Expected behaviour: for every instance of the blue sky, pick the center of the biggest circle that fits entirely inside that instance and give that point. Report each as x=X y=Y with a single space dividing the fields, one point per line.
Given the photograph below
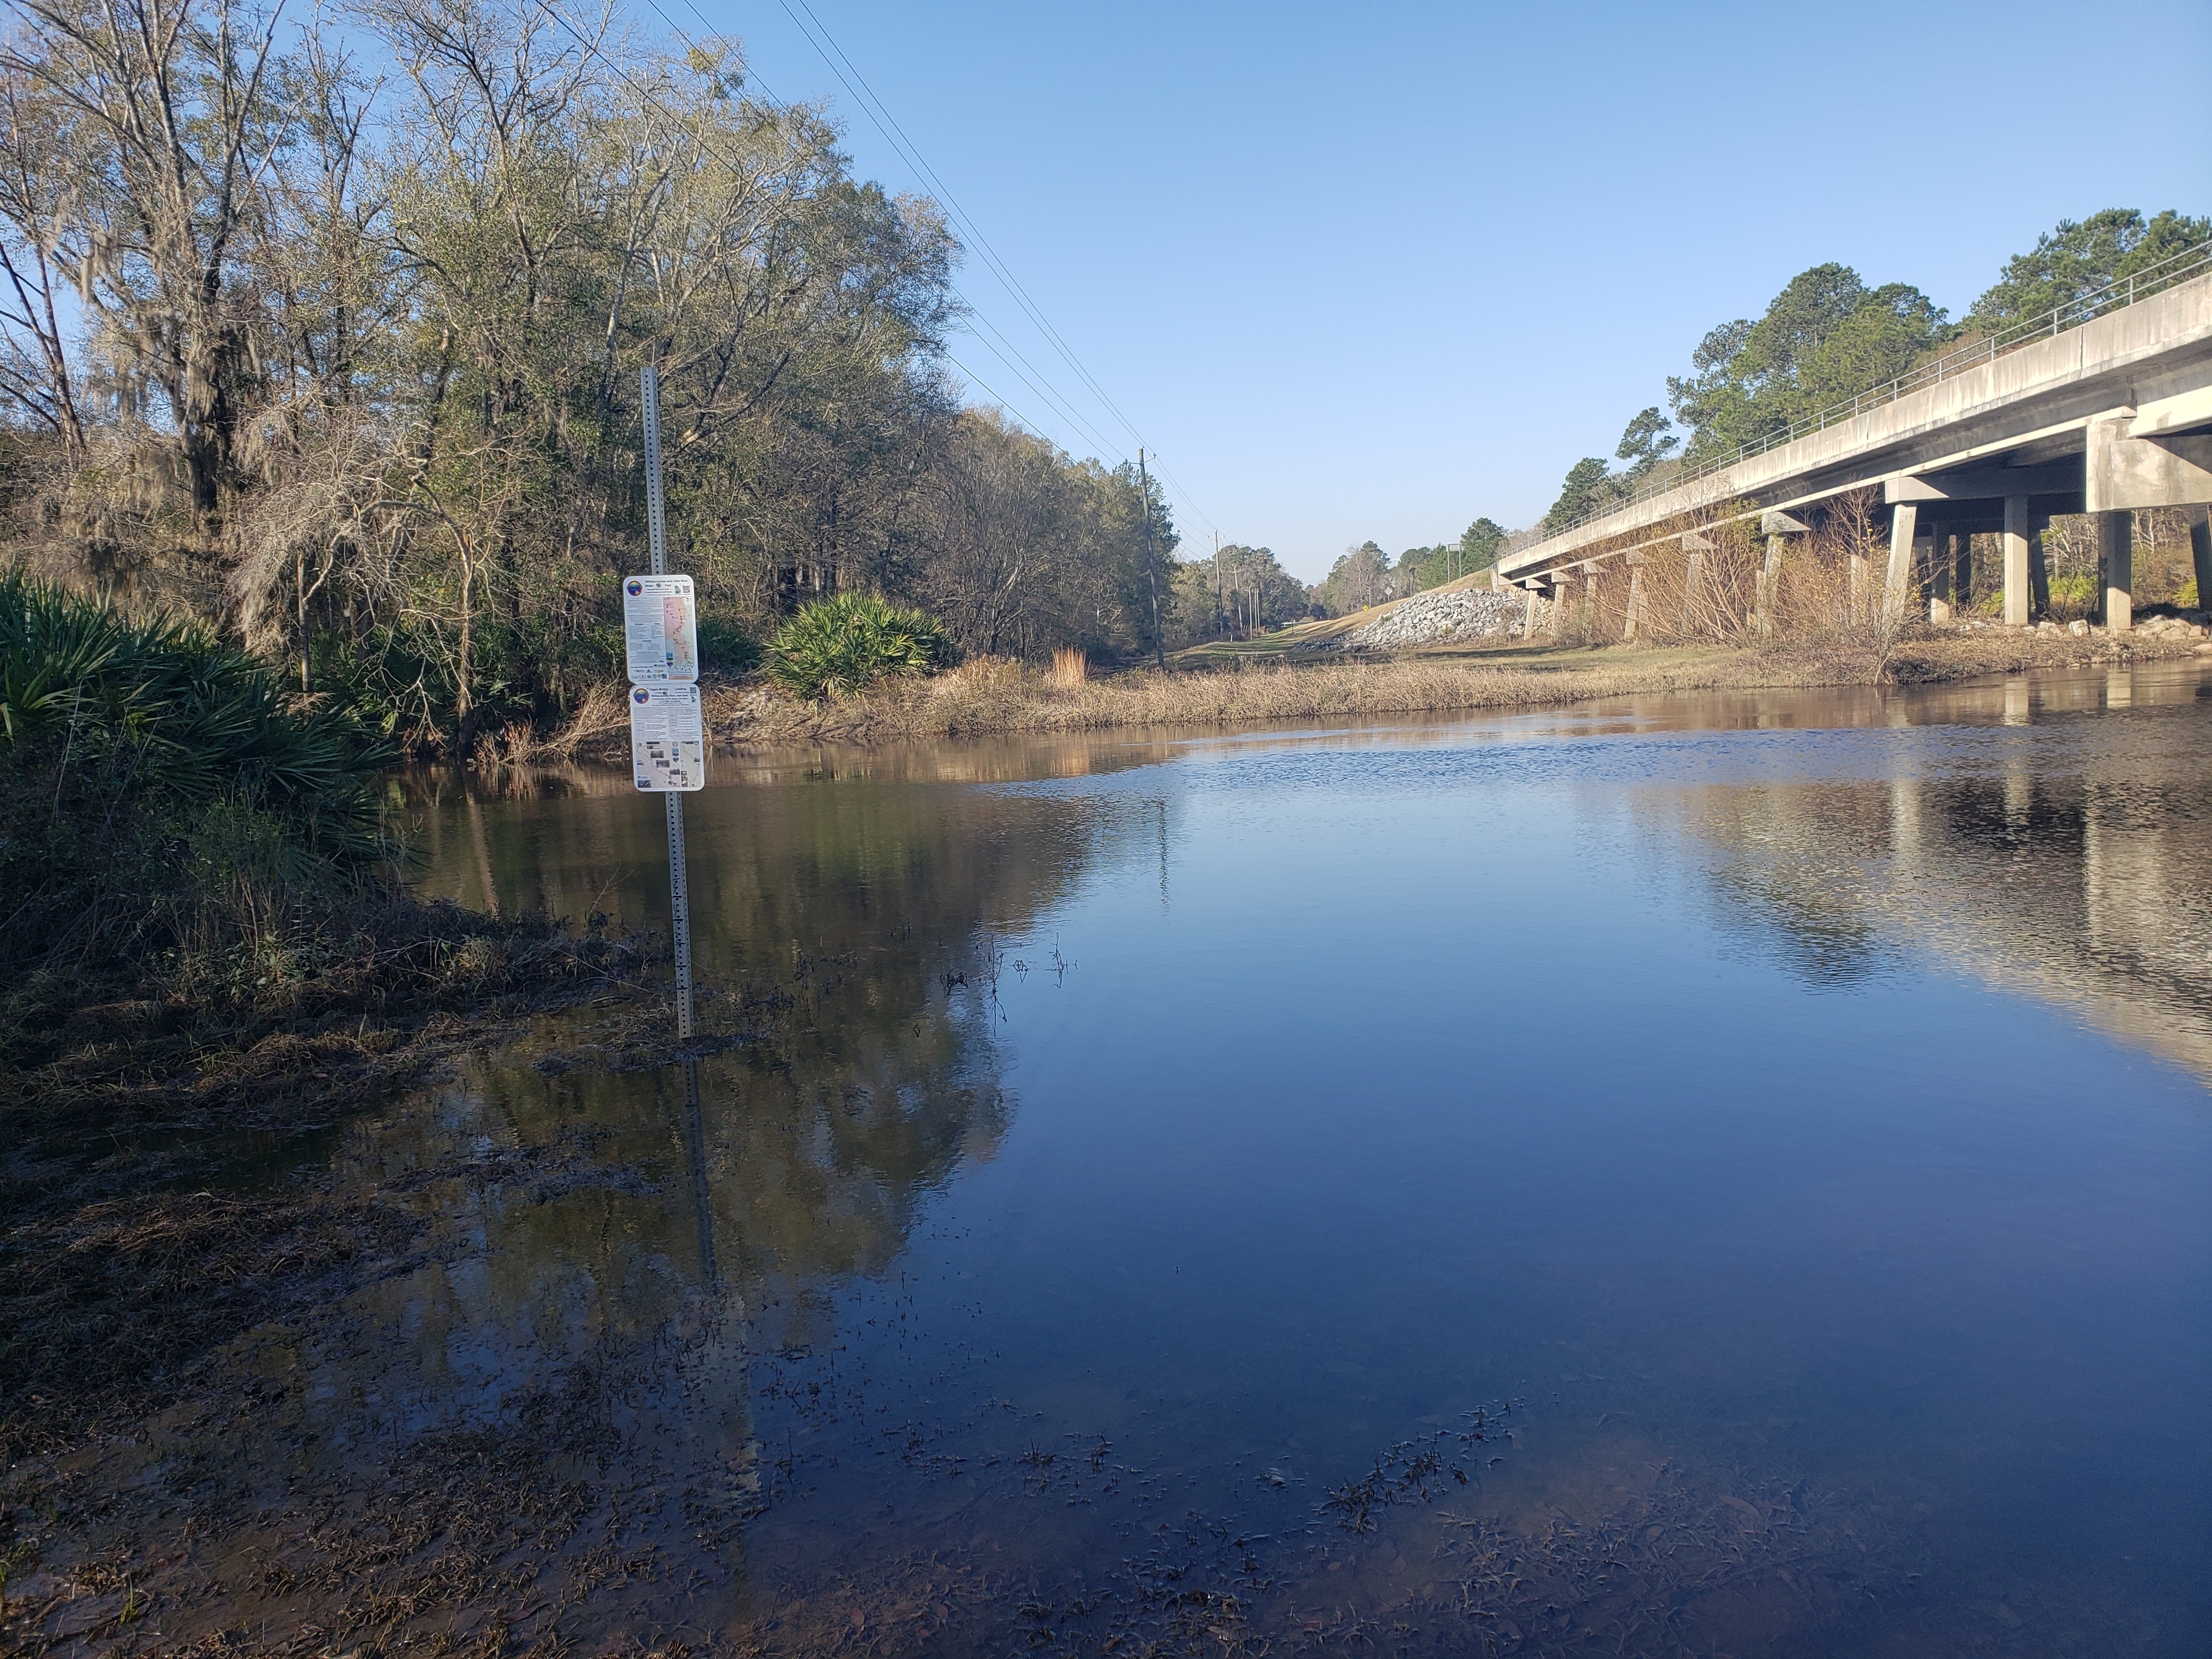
x=1373 y=272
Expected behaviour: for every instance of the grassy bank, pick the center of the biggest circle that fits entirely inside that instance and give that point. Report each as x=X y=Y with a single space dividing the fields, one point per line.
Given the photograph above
x=1229 y=687
x=199 y=898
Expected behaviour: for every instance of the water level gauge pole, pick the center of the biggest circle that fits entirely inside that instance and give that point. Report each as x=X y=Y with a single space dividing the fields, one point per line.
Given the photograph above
x=679 y=882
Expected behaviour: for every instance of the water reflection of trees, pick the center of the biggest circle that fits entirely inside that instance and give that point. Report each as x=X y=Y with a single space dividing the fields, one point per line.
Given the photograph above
x=863 y=919
x=2046 y=854
x=616 y=1254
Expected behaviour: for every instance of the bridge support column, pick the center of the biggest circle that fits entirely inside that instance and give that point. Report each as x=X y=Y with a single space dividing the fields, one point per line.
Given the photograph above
x=1897 y=583
x=1770 y=586
x=1634 y=623
x=1555 y=604
x=1529 y=602
x=1939 y=577
x=2200 y=554
x=1589 y=604
x=1693 y=591
x=1962 y=572
x=2116 y=568
x=2016 y=595
x=2039 y=568
x=1774 y=524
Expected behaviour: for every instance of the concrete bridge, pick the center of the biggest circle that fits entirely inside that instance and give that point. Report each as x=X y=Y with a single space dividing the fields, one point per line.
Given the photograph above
x=2110 y=414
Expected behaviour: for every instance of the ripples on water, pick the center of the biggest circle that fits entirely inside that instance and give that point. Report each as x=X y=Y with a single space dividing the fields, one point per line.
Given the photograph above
x=1715 y=1174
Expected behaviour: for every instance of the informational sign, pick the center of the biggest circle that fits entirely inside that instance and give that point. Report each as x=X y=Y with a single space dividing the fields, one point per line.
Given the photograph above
x=667 y=739
x=660 y=630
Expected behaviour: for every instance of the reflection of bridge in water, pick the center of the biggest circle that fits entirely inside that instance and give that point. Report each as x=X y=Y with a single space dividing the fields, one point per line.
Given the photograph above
x=2040 y=851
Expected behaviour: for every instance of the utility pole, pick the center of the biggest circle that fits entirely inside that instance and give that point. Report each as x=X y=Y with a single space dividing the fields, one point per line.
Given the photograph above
x=1152 y=567
x=1221 y=589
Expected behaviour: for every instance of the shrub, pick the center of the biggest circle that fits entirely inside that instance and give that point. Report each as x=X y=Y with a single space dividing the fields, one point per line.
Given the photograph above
x=849 y=643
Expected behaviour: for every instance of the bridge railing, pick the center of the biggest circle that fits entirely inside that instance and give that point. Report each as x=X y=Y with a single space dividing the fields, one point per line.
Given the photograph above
x=2082 y=308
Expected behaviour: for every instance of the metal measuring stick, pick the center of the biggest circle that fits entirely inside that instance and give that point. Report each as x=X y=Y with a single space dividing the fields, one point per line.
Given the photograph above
x=679 y=880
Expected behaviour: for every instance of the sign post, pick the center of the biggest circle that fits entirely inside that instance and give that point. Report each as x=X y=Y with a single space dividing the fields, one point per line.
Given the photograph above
x=667 y=731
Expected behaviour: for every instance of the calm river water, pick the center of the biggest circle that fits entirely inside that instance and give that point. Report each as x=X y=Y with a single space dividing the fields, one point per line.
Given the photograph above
x=1712 y=1174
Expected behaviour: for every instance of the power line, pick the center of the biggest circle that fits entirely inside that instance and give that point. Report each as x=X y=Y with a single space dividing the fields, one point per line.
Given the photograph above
x=871 y=106
x=1034 y=378
x=594 y=49
x=1006 y=403
x=1039 y=384
x=878 y=112
x=1042 y=388
x=887 y=124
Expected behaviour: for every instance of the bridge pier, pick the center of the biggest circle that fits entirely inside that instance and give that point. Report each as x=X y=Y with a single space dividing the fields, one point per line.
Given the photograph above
x=1635 y=621
x=1962 y=570
x=2116 y=568
x=2015 y=540
x=1693 y=579
x=1770 y=585
x=2200 y=554
x=1896 y=582
x=1938 y=566
x=1774 y=524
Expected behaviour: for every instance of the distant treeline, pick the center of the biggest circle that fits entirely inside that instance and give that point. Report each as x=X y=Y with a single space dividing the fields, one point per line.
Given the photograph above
x=1242 y=590
x=1828 y=338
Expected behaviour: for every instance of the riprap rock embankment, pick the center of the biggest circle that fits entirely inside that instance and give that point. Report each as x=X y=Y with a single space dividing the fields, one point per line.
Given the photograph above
x=1443 y=617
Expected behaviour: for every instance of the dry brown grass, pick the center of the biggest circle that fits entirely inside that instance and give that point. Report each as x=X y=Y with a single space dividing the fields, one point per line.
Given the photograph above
x=1697 y=632
x=995 y=696
x=602 y=719
x=980 y=698
x=1716 y=594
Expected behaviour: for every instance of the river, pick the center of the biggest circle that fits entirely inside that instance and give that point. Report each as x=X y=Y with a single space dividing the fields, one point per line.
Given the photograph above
x=1723 y=1174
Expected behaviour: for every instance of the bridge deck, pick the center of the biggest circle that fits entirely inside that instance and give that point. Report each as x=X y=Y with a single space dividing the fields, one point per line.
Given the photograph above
x=2142 y=373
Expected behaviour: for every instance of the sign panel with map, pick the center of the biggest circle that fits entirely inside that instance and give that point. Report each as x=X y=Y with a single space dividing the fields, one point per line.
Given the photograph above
x=660 y=630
